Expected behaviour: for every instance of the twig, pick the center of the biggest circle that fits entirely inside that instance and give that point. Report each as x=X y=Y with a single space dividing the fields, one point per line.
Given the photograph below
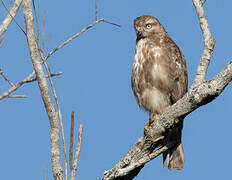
x=16 y=86
x=3 y=75
x=35 y=79
x=71 y=141
x=95 y=7
x=77 y=153
x=78 y=34
x=10 y=16
x=73 y=37
x=47 y=172
x=28 y=79
x=43 y=27
x=17 y=96
x=114 y=24
x=2 y=37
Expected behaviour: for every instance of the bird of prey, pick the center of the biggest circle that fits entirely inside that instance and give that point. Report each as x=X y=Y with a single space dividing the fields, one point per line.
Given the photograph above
x=159 y=79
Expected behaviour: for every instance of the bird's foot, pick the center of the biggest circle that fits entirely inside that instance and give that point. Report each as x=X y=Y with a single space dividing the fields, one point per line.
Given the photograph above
x=153 y=118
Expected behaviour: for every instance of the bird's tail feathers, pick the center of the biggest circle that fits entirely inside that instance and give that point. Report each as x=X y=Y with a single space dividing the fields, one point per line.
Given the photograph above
x=174 y=158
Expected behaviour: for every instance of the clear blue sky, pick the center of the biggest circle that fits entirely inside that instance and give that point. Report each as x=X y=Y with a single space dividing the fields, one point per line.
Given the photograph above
x=96 y=84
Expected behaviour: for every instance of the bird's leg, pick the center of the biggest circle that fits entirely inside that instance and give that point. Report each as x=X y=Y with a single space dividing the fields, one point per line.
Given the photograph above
x=153 y=118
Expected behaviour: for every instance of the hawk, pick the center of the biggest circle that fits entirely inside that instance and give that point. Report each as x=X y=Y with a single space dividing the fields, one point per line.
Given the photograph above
x=159 y=79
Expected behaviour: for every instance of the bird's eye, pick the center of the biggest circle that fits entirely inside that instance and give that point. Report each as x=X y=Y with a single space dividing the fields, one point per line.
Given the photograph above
x=148 y=26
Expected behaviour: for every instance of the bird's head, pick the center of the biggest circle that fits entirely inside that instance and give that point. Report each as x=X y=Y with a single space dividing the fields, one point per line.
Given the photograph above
x=147 y=25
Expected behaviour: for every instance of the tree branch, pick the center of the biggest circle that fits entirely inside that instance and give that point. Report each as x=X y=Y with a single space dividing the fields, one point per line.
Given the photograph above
x=6 y=79
x=52 y=75
x=17 y=96
x=28 y=79
x=209 y=43
x=73 y=37
x=77 y=153
x=16 y=86
x=95 y=8
x=50 y=109
x=201 y=92
x=78 y=34
x=71 y=141
x=56 y=100
x=10 y=16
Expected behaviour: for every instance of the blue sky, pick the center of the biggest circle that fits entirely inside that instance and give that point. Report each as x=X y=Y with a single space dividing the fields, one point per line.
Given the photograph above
x=96 y=84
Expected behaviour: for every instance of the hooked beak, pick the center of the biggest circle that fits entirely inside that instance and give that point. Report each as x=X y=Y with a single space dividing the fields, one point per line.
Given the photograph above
x=138 y=33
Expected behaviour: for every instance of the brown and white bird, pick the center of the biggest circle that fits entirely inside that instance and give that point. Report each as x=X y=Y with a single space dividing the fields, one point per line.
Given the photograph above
x=159 y=78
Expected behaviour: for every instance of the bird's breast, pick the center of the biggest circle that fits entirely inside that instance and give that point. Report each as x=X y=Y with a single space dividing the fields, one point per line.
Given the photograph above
x=145 y=71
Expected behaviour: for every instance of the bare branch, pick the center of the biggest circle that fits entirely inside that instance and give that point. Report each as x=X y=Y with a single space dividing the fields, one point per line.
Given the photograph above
x=3 y=75
x=209 y=43
x=58 y=107
x=114 y=24
x=78 y=34
x=43 y=26
x=10 y=16
x=95 y=7
x=2 y=36
x=140 y=163
x=36 y=20
x=15 y=87
x=71 y=141
x=52 y=75
x=73 y=37
x=201 y=92
x=50 y=109
x=28 y=79
x=130 y=165
x=17 y=96
x=77 y=153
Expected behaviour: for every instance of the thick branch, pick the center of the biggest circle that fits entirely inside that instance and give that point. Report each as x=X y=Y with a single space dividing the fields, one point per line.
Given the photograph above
x=129 y=166
x=41 y=79
x=209 y=43
x=201 y=92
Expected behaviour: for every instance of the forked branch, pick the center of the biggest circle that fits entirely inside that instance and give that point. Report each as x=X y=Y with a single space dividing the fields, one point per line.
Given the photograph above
x=50 y=109
x=200 y=93
x=73 y=163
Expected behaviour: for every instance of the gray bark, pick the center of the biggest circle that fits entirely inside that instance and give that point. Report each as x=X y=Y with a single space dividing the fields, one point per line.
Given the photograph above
x=200 y=93
x=9 y=17
x=44 y=90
